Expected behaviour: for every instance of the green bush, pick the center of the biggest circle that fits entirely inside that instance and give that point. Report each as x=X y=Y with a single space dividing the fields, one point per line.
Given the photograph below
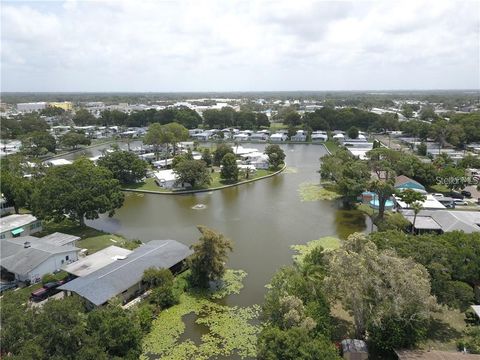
x=48 y=278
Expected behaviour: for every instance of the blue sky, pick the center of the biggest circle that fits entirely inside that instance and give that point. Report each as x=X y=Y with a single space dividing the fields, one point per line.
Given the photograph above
x=239 y=45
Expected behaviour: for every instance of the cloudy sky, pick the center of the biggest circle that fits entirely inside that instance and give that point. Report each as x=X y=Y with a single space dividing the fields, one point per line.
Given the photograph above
x=239 y=45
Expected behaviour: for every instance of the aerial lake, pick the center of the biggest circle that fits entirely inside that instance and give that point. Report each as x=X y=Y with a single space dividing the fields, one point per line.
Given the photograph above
x=263 y=218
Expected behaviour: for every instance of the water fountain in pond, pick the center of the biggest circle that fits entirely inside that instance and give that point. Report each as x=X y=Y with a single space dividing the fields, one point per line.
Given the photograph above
x=199 y=207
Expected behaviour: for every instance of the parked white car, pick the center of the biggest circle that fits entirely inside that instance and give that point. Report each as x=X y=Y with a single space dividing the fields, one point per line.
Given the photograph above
x=460 y=202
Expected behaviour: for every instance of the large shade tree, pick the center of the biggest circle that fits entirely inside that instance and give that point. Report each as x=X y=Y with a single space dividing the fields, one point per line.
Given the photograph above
x=156 y=137
x=381 y=291
x=193 y=172
x=16 y=188
x=229 y=169
x=125 y=166
x=79 y=191
x=276 y=155
x=210 y=254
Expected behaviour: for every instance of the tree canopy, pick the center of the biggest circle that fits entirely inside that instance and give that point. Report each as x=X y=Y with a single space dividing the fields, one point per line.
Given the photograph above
x=193 y=172
x=276 y=155
x=381 y=291
x=80 y=191
x=220 y=151
x=125 y=166
x=72 y=139
x=229 y=171
x=210 y=254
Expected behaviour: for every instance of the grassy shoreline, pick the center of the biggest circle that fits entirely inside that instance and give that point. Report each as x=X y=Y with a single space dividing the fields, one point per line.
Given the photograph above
x=149 y=185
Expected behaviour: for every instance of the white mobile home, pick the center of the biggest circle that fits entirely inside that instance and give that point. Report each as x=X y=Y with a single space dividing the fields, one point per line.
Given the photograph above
x=19 y=225
x=278 y=137
x=29 y=258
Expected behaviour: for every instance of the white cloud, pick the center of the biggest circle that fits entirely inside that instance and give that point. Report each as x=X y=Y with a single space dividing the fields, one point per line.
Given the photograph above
x=238 y=45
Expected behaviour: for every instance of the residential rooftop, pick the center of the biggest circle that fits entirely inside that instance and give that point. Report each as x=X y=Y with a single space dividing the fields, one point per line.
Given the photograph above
x=15 y=221
x=446 y=220
x=60 y=239
x=96 y=261
x=23 y=254
x=103 y=284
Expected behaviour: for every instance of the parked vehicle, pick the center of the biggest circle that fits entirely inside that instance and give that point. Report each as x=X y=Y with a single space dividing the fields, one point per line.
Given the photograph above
x=6 y=286
x=467 y=194
x=46 y=291
x=456 y=195
x=438 y=195
x=460 y=202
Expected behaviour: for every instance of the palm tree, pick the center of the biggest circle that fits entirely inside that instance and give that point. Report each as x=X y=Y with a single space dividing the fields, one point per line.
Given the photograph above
x=416 y=207
x=414 y=200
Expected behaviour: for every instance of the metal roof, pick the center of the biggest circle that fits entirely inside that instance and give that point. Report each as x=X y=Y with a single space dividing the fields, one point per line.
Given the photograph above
x=102 y=285
x=449 y=220
x=59 y=239
x=18 y=259
x=11 y=222
x=98 y=260
x=424 y=222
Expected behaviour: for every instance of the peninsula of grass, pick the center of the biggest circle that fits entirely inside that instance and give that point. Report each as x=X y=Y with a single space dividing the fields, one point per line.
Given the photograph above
x=332 y=146
x=149 y=185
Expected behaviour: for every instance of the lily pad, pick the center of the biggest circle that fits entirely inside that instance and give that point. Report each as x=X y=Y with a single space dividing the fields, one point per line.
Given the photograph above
x=327 y=243
x=314 y=192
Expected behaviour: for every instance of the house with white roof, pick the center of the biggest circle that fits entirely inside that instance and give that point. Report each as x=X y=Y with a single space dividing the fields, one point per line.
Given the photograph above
x=430 y=202
x=278 y=137
x=58 y=162
x=165 y=178
x=17 y=225
x=241 y=136
x=319 y=136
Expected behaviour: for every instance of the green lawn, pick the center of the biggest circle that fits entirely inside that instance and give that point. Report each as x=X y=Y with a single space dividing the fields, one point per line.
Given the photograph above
x=150 y=185
x=367 y=209
x=25 y=292
x=277 y=126
x=332 y=146
x=446 y=329
x=91 y=239
x=439 y=189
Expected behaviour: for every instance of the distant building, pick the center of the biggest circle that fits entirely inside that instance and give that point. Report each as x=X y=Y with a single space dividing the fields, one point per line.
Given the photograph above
x=65 y=105
x=319 y=136
x=278 y=137
x=123 y=277
x=30 y=107
x=58 y=162
x=299 y=136
x=403 y=182
x=18 y=225
x=5 y=207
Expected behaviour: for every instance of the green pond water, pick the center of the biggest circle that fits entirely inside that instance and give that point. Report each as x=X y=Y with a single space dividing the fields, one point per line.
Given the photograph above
x=263 y=218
